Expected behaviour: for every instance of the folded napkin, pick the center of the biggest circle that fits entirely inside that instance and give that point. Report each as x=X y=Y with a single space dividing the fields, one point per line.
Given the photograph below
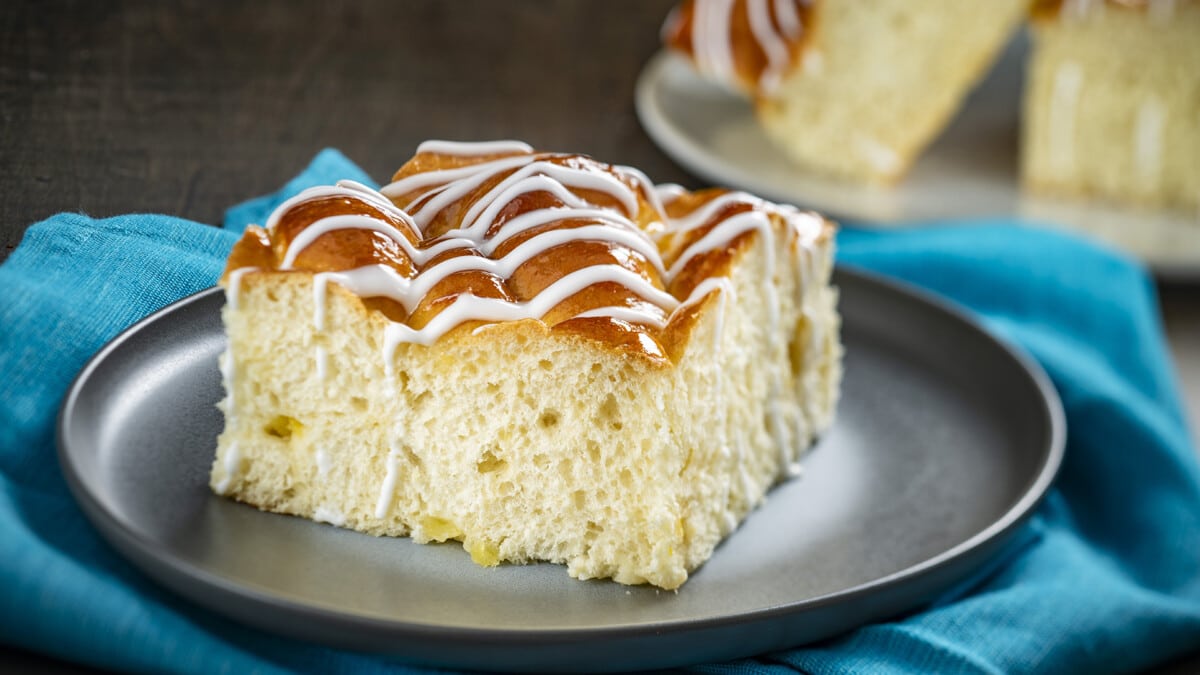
x=1108 y=578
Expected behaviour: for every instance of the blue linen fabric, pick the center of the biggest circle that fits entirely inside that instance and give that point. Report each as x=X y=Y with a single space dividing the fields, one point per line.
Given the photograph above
x=1106 y=577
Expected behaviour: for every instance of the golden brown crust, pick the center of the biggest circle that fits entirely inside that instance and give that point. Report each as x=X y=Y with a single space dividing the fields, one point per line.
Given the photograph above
x=749 y=55
x=339 y=250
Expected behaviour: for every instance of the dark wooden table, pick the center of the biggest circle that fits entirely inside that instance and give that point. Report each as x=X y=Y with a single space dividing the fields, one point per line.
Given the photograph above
x=188 y=107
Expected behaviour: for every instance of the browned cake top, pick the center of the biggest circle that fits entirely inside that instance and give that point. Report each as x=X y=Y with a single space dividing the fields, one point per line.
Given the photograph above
x=746 y=44
x=491 y=232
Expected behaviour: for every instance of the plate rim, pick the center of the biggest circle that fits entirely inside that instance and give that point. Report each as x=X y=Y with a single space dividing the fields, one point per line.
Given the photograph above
x=242 y=603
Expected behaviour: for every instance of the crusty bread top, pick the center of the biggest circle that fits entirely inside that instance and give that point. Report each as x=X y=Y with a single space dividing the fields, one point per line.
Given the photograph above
x=748 y=45
x=487 y=232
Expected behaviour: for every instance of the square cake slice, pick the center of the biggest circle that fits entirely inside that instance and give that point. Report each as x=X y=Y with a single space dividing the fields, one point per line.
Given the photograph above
x=540 y=355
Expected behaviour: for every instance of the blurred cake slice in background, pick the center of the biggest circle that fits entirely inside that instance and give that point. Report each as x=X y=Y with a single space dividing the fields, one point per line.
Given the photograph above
x=853 y=89
x=747 y=46
x=1112 y=102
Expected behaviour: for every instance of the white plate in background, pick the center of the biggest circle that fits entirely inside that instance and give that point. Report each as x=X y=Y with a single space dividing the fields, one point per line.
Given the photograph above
x=969 y=172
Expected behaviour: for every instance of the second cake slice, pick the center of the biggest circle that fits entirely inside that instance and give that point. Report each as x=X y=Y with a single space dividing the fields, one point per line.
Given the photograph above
x=853 y=89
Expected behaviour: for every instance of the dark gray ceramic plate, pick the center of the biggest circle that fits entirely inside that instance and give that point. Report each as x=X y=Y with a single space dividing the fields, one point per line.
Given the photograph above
x=945 y=441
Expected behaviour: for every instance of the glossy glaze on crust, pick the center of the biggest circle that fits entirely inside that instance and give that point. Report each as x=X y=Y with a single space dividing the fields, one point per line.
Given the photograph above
x=472 y=234
x=745 y=44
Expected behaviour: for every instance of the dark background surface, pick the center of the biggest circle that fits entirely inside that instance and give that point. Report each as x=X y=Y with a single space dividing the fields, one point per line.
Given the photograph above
x=186 y=108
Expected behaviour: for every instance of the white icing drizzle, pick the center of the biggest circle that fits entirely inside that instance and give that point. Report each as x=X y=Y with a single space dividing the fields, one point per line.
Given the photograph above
x=449 y=178
x=631 y=237
x=882 y=158
x=649 y=317
x=710 y=39
x=343 y=188
x=231 y=463
x=748 y=484
x=722 y=235
x=474 y=148
x=669 y=192
x=772 y=44
x=806 y=417
x=645 y=317
x=775 y=341
x=550 y=177
x=319 y=290
x=226 y=365
x=709 y=285
x=469 y=307
x=233 y=290
x=709 y=210
x=1064 y=99
x=773 y=25
x=324 y=463
x=1078 y=10
x=528 y=173
x=789 y=19
x=388 y=490
x=384 y=281
x=1148 y=138
x=349 y=222
x=722 y=413
x=233 y=286
x=813 y=62
x=669 y=24
x=328 y=514
x=646 y=187
x=321 y=356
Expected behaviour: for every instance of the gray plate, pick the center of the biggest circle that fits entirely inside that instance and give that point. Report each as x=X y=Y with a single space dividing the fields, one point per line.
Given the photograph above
x=944 y=443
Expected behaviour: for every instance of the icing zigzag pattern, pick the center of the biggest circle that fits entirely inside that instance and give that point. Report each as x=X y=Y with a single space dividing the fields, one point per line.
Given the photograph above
x=492 y=232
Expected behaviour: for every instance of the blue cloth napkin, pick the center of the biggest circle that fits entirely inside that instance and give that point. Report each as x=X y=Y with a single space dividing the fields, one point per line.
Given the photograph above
x=1108 y=579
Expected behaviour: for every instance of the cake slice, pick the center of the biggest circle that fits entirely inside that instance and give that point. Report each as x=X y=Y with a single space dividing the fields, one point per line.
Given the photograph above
x=1112 y=102
x=540 y=355
x=853 y=89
